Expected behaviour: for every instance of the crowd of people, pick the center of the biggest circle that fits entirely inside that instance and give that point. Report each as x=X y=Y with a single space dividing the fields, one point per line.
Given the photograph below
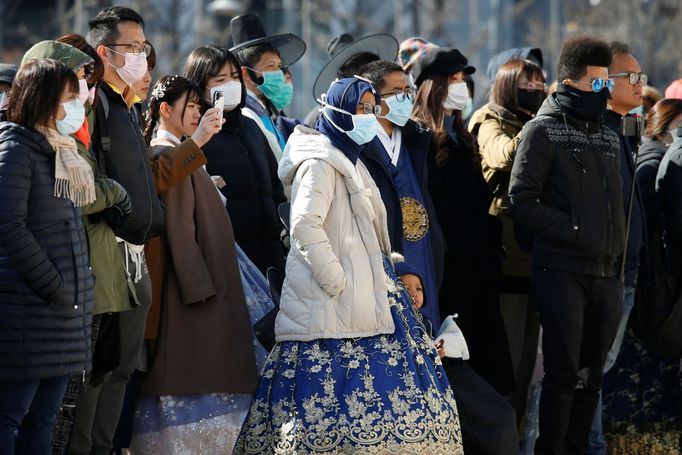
x=186 y=269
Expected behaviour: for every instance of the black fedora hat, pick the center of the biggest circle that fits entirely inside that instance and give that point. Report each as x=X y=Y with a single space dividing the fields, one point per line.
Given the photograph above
x=343 y=47
x=247 y=31
x=443 y=61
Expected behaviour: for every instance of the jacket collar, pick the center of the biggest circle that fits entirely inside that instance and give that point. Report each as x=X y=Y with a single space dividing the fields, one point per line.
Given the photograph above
x=31 y=137
x=552 y=108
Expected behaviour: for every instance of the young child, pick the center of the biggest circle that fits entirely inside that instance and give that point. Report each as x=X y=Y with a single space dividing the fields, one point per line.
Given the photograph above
x=487 y=420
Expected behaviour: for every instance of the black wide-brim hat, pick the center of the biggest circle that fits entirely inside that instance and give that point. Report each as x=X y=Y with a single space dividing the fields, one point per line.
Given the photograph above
x=383 y=45
x=247 y=31
x=443 y=61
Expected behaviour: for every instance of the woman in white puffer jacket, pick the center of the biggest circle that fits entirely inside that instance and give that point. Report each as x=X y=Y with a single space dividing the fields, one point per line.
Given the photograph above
x=354 y=369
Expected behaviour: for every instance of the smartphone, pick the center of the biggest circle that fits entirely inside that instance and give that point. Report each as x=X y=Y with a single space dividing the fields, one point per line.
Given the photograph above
x=219 y=100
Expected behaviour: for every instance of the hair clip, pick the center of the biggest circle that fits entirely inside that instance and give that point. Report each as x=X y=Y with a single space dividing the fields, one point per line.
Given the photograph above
x=160 y=90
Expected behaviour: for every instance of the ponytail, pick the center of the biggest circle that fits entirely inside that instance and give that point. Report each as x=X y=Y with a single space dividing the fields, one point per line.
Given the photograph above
x=151 y=119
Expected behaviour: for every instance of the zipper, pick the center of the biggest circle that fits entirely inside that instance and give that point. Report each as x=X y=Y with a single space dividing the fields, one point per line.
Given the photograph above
x=149 y=190
x=609 y=212
x=577 y=160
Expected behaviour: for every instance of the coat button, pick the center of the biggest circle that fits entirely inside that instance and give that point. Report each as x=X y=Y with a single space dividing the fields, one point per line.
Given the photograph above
x=575 y=227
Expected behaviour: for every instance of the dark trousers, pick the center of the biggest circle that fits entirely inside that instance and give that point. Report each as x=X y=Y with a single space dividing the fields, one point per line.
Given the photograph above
x=579 y=316
x=27 y=411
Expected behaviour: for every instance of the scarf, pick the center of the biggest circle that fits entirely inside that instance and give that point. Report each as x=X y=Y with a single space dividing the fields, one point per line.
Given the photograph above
x=582 y=105
x=73 y=175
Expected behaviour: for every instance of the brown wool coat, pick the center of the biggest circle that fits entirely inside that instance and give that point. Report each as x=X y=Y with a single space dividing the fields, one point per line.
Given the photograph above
x=204 y=337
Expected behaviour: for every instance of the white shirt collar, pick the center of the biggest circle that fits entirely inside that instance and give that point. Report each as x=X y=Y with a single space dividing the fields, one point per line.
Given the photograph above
x=391 y=144
x=163 y=134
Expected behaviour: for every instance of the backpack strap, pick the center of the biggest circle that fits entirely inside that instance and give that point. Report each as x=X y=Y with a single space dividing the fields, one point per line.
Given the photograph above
x=103 y=137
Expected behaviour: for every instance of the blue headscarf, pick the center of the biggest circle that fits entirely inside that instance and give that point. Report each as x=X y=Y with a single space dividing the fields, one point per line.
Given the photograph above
x=344 y=94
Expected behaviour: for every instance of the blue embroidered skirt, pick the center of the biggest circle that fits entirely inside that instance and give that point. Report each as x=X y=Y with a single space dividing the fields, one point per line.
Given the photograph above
x=376 y=395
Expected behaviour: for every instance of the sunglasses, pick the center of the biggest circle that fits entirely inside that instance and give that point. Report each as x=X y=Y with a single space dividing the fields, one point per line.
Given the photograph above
x=598 y=84
x=634 y=77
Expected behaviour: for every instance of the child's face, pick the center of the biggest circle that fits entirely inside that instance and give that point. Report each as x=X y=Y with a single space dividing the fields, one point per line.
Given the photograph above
x=413 y=284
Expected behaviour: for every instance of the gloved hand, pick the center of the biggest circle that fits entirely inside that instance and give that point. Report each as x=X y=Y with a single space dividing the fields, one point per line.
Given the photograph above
x=123 y=200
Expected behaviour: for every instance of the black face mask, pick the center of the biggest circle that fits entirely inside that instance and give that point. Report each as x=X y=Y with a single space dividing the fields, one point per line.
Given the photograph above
x=530 y=100
x=583 y=105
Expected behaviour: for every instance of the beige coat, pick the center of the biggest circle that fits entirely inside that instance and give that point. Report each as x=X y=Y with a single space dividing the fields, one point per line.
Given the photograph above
x=497 y=132
x=205 y=342
x=335 y=283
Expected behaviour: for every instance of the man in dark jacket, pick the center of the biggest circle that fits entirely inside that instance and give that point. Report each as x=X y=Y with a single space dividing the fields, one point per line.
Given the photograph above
x=566 y=187
x=624 y=70
x=117 y=34
x=396 y=159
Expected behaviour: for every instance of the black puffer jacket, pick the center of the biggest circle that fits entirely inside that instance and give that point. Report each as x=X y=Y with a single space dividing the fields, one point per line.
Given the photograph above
x=46 y=287
x=566 y=188
x=240 y=154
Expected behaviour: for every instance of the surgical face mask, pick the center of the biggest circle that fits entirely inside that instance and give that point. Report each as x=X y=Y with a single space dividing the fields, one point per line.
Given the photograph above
x=83 y=91
x=133 y=69
x=232 y=93
x=4 y=100
x=398 y=111
x=365 y=126
x=276 y=89
x=74 y=118
x=468 y=109
x=458 y=94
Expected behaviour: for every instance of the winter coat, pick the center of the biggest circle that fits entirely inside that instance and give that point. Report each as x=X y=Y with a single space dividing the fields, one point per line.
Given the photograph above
x=417 y=142
x=111 y=284
x=669 y=189
x=335 y=284
x=240 y=154
x=471 y=280
x=497 y=133
x=46 y=287
x=205 y=342
x=566 y=188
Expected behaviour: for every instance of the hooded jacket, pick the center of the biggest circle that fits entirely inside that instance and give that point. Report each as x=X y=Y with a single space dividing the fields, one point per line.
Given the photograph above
x=335 y=285
x=566 y=188
x=46 y=287
x=111 y=282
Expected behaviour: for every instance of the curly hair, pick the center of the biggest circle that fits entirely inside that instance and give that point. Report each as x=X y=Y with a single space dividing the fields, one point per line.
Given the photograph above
x=579 y=52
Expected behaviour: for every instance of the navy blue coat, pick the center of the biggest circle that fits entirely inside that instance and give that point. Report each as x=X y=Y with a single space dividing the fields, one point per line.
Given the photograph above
x=46 y=286
x=417 y=141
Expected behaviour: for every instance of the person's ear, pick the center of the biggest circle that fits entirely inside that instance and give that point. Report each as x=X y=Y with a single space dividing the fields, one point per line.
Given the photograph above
x=102 y=51
x=568 y=82
x=165 y=110
x=245 y=74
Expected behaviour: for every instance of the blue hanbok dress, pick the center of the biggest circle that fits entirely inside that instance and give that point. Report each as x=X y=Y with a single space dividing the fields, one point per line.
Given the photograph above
x=384 y=394
x=202 y=424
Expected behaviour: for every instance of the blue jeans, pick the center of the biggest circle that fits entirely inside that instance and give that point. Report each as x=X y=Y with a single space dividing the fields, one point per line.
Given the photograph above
x=597 y=443
x=27 y=411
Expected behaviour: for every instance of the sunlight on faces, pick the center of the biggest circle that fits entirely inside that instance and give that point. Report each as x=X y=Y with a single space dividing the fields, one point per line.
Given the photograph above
x=625 y=96
x=368 y=98
x=226 y=74
x=174 y=121
x=394 y=82
x=130 y=33
x=142 y=86
x=67 y=95
x=456 y=77
x=413 y=284
x=591 y=73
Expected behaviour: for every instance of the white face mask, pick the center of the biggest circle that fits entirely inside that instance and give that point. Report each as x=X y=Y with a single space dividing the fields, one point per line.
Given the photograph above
x=458 y=95
x=232 y=93
x=83 y=91
x=133 y=69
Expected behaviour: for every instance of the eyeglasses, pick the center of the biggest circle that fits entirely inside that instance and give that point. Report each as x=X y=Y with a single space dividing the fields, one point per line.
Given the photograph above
x=369 y=108
x=533 y=86
x=634 y=77
x=401 y=95
x=136 y=48
x=598 y=84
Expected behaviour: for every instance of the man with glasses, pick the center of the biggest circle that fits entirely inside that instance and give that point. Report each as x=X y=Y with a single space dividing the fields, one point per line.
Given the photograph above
x=566 y=189
x=627 y=94
x=265 y=59
x=117 y=34
x=396 y=159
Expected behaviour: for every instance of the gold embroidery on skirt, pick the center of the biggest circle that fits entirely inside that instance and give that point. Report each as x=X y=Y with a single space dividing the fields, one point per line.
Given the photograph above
x=415 y=219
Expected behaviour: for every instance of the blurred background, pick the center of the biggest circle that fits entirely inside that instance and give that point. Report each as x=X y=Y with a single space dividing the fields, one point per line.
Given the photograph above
x=478 y=28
